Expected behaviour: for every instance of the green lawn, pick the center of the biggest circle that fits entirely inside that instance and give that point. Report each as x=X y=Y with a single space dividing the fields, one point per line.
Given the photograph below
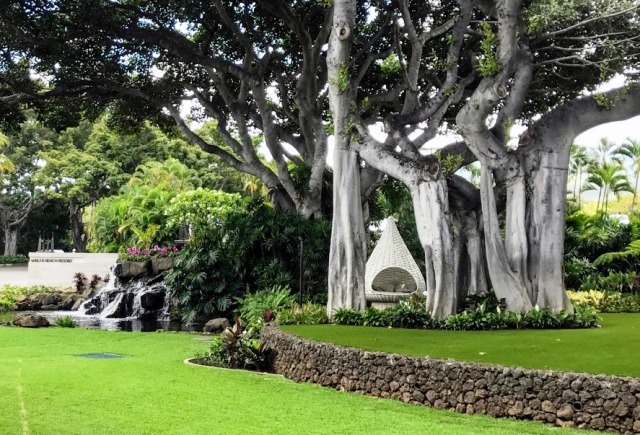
x=46 y=389
x=616 y=205
x=613 y=349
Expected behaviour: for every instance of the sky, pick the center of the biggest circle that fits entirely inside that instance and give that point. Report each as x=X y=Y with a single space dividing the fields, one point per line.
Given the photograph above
x=617 y=132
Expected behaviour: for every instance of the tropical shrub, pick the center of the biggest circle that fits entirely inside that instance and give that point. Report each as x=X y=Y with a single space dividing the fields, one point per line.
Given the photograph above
x=626 y=259
x=601 y=253
x=374 y=317
x=577 y=270
x=613 y=282
x=201 y=209
x=205 y=280
x=9 y=293
x=590 y=298
x=253 y=306
x=347 y=316
x=619 y=303
x=13 y=259
x=305 y=314
x=606 y=302
x=488 y=302
x=79 y=282
x=409 y=315
x=478 y=319
x=237 y=348
x=591 y=236
x=95 y=281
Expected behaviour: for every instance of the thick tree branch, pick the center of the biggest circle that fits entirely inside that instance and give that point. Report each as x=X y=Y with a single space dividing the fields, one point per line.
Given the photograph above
x=584 y=113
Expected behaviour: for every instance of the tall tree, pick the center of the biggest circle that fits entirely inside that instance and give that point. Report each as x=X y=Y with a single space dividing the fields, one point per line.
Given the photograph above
x=348 y=248
x=92 y=161
x=229 y=58
x=608 y=178
x=417 y=68
x=20 y=196
x=579 y=163
x=484 y=95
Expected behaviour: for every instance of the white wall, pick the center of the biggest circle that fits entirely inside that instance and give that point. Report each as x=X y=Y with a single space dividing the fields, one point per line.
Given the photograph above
x=57 y=269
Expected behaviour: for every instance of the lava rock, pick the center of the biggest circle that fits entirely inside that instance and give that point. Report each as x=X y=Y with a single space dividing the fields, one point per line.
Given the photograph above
x=216 y=326
x=88 y=293
x=52 y=307
x=27 y=320
x=132 y=269
x=51 y=299
x=77 y=304
x=160 y=264
x=68 y=301
x=152 y=300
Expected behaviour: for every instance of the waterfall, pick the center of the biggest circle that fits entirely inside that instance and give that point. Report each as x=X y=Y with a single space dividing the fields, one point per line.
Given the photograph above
x=112 y=309
x=135 y=298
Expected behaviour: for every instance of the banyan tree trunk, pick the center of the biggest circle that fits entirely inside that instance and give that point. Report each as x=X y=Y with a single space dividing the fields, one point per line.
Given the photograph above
x=546 y=227
x=507 y=284
x=434 y=224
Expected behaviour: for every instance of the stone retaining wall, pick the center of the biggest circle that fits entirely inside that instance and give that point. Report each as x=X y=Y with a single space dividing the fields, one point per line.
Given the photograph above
x=563 y=399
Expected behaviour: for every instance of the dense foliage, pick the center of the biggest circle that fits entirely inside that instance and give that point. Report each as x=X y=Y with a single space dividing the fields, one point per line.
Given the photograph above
x=602 y=253
x=252 y=247
x=66 y=322
x=200 y=209
x=406 y=315
x=606 y=302
x=279 y=305
x=13 y=259
x=136 y=216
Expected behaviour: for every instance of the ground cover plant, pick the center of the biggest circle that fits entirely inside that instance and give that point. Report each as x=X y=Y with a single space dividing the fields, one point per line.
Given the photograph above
x=150 y=390
x=613 y=349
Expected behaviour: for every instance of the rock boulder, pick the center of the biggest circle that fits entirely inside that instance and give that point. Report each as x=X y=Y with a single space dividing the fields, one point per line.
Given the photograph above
x=31 y=321
x=216 y=326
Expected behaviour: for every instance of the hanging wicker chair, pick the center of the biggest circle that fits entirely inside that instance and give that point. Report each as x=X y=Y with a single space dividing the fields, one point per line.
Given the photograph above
x=391 y=273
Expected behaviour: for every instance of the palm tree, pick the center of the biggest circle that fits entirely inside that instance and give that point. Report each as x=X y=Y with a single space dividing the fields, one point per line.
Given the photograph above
x=631 y=150
x=608 y=178
x=579 y=163
x=605 y=151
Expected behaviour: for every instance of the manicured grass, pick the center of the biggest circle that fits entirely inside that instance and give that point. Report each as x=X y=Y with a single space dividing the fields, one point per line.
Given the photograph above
x=613 y=349
x=616 y=205
x=46 y=389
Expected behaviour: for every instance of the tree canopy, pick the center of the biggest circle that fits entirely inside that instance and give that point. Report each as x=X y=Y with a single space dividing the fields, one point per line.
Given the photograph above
x=474 y=67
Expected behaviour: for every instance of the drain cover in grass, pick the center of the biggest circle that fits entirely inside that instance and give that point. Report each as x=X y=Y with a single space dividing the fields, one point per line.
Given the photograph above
x=100 y=355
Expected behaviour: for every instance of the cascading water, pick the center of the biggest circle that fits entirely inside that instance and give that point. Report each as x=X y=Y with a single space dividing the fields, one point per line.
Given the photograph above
x=113 y=307
x=138 y=298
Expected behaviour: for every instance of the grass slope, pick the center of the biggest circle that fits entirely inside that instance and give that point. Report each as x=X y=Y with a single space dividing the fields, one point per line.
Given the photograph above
x=46 y=389
x=613 y=349
x=620 y=205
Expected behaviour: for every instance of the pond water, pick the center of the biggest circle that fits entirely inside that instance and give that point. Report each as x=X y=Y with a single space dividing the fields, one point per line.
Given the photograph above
x=127 y=324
